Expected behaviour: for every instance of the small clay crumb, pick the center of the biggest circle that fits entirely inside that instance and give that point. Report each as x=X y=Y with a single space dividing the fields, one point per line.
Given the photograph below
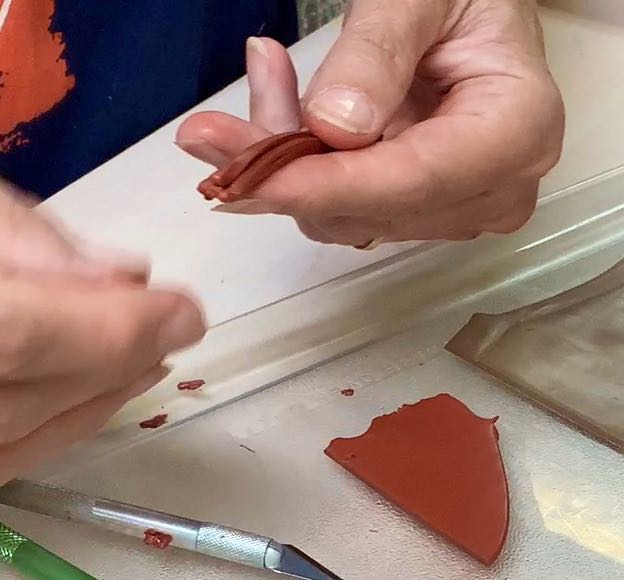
x=347 y=392
x=191 y=385
x=154 y=422
x=156 y=539
x=248 y=448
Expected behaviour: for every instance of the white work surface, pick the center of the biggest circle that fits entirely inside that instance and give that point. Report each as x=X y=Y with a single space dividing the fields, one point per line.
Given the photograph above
x=567 y=518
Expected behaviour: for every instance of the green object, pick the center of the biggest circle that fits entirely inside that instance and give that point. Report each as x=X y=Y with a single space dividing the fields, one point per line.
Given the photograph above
x=33 y=561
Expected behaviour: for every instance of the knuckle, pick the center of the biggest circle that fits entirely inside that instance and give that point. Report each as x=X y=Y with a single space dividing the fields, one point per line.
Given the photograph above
x=120 y=332
x=556 y=128
x=469 y=235
x=311 y=232
x=380 y=48
x=551 y=121
x=506 y=227
x=119 y=335
x=352 y=231
x=320 y=199
x=424 y=187
x=18 y=345
x=134 y=330
x=427 y=191
x=306 y=206
x=11 y=426
x=462 y=235
x=513 y=221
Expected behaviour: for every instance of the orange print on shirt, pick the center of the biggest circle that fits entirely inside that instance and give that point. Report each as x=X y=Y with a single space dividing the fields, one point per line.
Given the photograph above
x=33 y=72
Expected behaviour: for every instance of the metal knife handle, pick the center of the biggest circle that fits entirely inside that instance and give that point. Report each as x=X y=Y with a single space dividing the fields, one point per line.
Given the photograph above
x=233 y=545
x=205 y=537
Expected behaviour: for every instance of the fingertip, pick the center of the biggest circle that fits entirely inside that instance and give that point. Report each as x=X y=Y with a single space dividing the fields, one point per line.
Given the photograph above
x=255 y=45
x=274 y=96
x=269 y=48
x=150 y=380
x=216 y=137
x=203 y=151
x=182 y=322
x=201 y=127
x=343 y=117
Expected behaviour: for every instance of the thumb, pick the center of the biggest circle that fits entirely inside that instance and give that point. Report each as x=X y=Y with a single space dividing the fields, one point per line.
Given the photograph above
x=114 y=334
x=66 y=346
x=368 y=72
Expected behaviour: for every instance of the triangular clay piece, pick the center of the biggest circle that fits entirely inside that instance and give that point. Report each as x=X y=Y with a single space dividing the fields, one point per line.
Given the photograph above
x=440 y=463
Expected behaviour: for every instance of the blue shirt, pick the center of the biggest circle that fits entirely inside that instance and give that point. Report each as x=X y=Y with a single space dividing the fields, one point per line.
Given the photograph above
x=130 y=66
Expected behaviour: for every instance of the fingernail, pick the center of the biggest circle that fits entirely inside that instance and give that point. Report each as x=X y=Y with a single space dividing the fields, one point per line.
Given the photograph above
x=182 y=328
x=246 y=207
x=255 y=43
x=257 y=65
x=344 y=108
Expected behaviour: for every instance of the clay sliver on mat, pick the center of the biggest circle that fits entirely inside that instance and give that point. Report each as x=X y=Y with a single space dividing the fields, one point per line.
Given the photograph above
x=440 y=463
x=565 y=353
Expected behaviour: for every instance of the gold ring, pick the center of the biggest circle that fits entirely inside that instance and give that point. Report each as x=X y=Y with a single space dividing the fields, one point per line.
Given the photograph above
x=370 y=245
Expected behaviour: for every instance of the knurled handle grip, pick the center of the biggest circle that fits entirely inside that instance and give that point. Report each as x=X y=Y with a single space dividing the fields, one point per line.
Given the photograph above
x=233 y=545
x=10 y=542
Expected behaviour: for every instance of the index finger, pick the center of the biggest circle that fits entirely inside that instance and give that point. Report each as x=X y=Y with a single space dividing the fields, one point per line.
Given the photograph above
x=114 y=334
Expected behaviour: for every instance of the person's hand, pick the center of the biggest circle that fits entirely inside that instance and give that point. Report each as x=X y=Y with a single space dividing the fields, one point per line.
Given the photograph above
x=461 y=93
x=80 y=337
x=32 y=243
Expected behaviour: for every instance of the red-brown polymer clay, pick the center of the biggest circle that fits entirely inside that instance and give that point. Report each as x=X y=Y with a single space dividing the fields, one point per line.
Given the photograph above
x=191 y=385
x=156 y=539
x=438 y=462
x=258 y=162
x=154 y=422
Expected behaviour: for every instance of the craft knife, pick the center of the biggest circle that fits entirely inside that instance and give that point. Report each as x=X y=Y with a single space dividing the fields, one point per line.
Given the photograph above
x=207 y=538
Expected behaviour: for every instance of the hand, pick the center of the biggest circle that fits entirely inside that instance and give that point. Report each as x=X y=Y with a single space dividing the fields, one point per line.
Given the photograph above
x=31 y=243
x=461 y=93
x=79 y=338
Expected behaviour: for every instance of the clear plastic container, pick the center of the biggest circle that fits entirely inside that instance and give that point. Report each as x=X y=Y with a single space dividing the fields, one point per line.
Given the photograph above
x=576 y=233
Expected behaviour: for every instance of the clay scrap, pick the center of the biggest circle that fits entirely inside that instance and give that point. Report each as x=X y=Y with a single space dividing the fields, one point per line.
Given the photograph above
x=193 y=385
x=154 y=422
x=156 y=539
x=440 y=463
x=257 y=163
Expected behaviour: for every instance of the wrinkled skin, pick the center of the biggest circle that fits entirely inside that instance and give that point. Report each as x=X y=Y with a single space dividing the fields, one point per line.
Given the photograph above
x=81 y=335
x=461 y=92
